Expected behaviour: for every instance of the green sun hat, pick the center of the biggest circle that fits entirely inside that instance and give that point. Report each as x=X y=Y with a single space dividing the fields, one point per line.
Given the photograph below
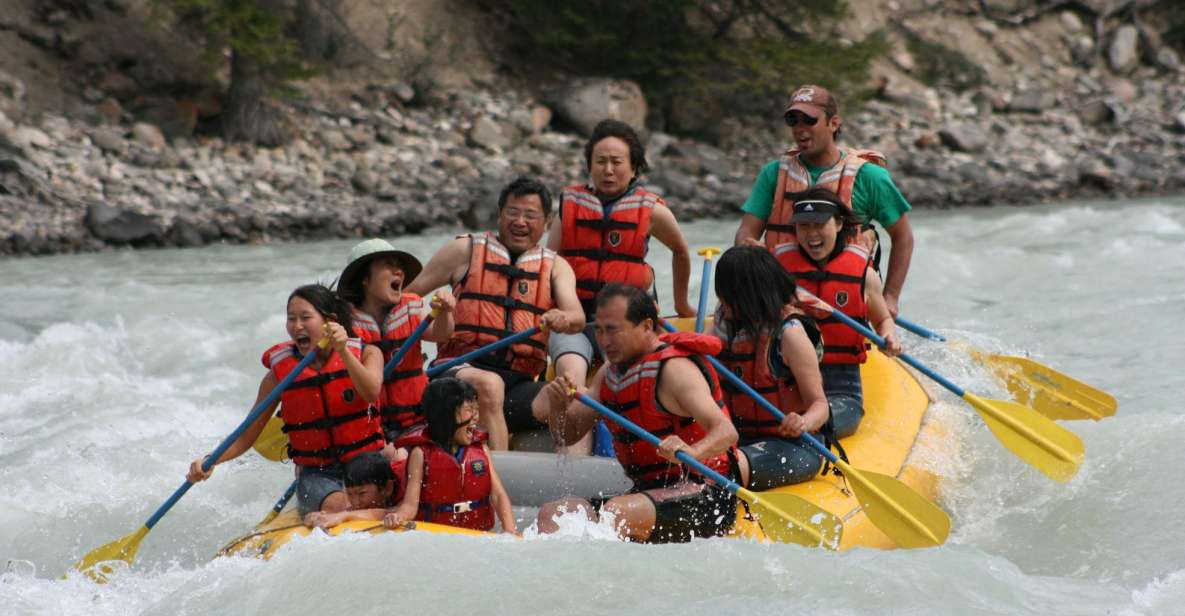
x=364 y=252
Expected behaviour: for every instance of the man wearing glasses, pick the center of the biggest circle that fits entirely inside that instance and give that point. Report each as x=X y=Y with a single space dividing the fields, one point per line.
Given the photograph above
x=504 y=284
x=816 y=160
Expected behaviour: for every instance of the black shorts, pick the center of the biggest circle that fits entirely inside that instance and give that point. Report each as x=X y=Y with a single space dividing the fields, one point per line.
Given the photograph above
x=519 y=391
x=775 y=462
x=709 y=512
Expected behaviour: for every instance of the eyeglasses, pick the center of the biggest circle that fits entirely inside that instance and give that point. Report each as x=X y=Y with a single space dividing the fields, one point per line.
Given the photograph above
x=792 y=119
x=529 y=216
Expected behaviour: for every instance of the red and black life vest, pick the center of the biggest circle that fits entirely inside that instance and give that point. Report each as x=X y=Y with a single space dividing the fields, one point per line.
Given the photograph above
x=326 y=419
x=839 y=283
x=404 y=387
x=793 y=177
x=753 y=363
x=456 y=488
x=634 y=394
x=607 y=248
x=497 y=298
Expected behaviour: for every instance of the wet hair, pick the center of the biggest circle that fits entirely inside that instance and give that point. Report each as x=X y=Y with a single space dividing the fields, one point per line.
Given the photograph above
x=329 y=304
x=616 y=128
x=756 y=288
x=442 y=398
x=639 y=304
x=851 y=222
x=370 y=468
x=523 y=186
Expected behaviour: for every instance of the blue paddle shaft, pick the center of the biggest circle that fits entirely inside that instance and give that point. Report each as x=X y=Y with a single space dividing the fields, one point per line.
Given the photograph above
x=641 y=433
x=489 y=348
x=880 y=342
x=406 y=346
x=288 y=494
x=229 y=440
x=919 y=330
x=704 y=283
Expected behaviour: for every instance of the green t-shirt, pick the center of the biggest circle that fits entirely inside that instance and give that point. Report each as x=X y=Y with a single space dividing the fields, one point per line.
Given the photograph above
x=874 y=195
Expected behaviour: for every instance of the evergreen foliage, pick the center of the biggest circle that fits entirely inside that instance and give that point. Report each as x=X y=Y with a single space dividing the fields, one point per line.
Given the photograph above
x=259 y=30
x=943 y=67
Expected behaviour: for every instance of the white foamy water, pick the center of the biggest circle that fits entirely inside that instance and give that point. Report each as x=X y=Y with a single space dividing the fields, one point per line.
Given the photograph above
x=121 y=368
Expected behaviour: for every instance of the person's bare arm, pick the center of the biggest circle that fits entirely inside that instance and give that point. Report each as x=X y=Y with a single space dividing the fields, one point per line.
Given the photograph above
x=799 y=354
x=665 y=229
x=899 y=256
x=750 y=231
x=555 y=232
x=684 y=392
x=442 y=269
x=443 y=303
x=568 y=316
x=406 y=510
x=878 y=313
x=367 y=373
x=499 y=498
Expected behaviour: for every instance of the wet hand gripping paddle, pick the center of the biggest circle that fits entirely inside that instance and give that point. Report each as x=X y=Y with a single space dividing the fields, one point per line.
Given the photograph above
x=94 y=564
x=785 y=518
x=1049 y=392
x=1034 y=438
x=704 y=282
x=905 y=516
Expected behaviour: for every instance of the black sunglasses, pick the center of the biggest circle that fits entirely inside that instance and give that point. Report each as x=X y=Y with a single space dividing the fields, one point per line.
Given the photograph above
x=792 y=119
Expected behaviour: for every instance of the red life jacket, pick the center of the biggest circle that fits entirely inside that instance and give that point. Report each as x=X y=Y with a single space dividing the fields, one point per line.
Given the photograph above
x=634 y=394
x=839 y=283
x=794 y=178
x=404 y=387
x=326 y=420
x=496 y=299
x=753 y=363
x=455 y=491
x=612 y=248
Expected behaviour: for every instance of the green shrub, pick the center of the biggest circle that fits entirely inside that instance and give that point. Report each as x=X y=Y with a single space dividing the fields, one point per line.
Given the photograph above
x=944 y=67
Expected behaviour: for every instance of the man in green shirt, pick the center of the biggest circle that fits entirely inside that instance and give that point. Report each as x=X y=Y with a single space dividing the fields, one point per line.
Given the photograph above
x=816 y=159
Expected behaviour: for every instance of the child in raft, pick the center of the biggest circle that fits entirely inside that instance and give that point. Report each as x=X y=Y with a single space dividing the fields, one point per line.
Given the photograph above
x=775 y=349
x=826 y=260
x=374 y=486
x=450 y=474
x=328 y=410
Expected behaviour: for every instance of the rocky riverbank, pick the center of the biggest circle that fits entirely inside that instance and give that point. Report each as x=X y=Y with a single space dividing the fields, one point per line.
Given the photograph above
x=374 y=164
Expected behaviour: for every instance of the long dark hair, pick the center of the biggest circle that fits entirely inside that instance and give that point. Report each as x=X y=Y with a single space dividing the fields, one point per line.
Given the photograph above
x=850 y=221
x=756 y=288
x=325 y=301
x=442 y=398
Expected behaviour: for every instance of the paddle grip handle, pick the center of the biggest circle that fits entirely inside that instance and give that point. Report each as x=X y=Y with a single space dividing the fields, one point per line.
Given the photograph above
x=880 y=342
x=208 y=463
x=489 y=348
x=641 y=433
x=914 y=328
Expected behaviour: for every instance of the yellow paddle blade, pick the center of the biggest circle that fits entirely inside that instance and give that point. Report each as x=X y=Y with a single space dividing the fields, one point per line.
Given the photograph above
x=787 y=518
x=272 y=442
x=901 y=513
x=687 y=324
x=1034 y=438
x=95 y=563
x=1049 y=392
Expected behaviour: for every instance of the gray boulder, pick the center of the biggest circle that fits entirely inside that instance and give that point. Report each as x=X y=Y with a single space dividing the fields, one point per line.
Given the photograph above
x=963 y=138
x=117 y=225
x=584 y=102
x=491 y=135
x=1124 y=53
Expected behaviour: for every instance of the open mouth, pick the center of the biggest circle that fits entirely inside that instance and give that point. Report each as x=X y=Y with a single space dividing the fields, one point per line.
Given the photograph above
x=814 y=245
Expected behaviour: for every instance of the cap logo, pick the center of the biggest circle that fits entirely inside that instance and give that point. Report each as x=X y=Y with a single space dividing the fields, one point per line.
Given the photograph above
x=808 y=208
x=804 y=95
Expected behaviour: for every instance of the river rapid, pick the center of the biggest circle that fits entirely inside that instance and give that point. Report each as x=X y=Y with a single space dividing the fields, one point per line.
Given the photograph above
x=120 y=368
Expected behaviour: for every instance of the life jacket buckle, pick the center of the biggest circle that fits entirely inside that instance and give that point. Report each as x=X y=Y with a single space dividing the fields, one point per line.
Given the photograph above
x=462 y=507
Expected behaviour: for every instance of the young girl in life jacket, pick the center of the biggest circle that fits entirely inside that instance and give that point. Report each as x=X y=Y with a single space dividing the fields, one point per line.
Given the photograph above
x=826 y=260
x=374 y=485
x=328 y=410
x=450 y=473
x=775 y=349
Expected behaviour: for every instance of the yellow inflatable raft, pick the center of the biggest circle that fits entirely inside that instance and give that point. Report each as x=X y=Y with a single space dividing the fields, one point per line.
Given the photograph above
x=894 y=405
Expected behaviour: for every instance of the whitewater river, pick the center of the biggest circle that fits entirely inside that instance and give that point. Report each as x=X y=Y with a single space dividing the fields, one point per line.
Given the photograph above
x=120 y=368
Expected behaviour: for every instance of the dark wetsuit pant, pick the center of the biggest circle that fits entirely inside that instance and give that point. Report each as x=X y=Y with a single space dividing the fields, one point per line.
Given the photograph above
x=775 y=461
x=841 y=384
